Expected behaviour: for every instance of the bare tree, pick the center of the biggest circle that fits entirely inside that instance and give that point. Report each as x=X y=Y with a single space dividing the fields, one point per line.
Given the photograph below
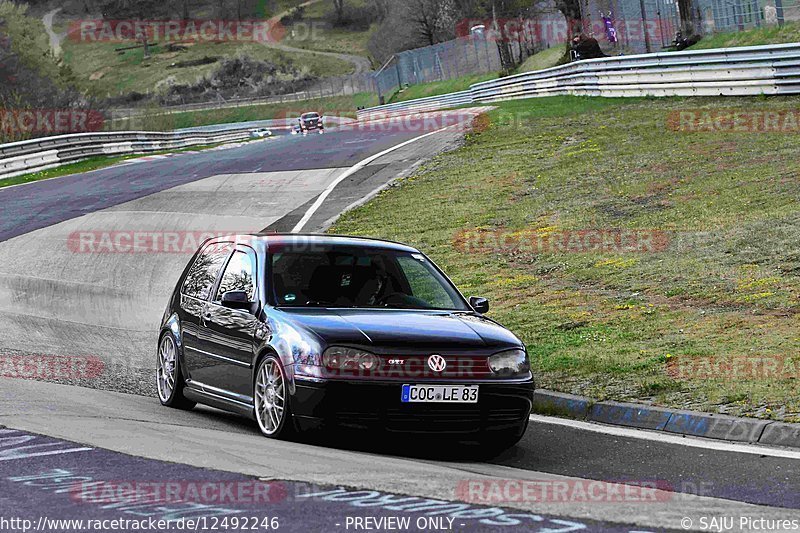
x=432 y=21
x=139 y=10
x=338 y=9
x=503 y=13
x=381 y=8
x=571 y=9
x=689 y=28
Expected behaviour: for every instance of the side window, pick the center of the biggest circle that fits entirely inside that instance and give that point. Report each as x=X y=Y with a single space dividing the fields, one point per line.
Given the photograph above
x=424 y=285
x=240 y=275
x=201 y=277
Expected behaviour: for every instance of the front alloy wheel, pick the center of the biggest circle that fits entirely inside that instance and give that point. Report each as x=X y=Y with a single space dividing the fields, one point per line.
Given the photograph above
x=271 y=405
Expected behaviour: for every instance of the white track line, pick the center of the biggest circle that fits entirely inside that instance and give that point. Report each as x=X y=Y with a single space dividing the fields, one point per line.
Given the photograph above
x=668 y=438
x=349 y=172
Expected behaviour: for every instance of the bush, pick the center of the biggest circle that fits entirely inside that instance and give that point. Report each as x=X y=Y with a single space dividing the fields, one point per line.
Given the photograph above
x=126 y=100
x=390 y=38
x=30 y=77
x=205 y=60
x=354 y=18
x=295 y=15
x=240 y=77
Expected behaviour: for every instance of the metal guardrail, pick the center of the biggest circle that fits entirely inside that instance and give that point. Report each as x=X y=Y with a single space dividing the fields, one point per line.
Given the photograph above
x=49 y=152
x=44 y=153
x=431 y=103
x=122 y=113
x=741 y=71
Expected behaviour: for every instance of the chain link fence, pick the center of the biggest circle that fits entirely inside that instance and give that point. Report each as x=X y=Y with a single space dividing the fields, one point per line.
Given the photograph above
x=738 y=15
x=644 y=26
x=631 y=26
x=461 y=57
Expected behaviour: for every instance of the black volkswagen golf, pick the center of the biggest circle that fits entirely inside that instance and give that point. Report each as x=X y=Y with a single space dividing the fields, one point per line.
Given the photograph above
x=302 y=331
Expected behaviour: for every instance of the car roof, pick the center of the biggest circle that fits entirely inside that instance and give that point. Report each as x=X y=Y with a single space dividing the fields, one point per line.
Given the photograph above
x=290 y=239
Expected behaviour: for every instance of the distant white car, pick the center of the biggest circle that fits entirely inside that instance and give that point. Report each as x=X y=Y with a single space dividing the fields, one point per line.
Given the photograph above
x=260 y=133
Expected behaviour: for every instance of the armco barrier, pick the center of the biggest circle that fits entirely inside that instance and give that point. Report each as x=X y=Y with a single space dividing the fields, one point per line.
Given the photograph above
x=49 y=152
x=741 y=71
x=431 y=103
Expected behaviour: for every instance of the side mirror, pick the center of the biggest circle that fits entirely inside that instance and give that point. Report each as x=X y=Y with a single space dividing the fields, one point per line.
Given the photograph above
x=480 y=305
x=236 y=300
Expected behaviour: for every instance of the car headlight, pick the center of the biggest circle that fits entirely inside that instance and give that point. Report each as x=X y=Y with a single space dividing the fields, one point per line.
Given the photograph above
x=341 y=358
x=510 y=363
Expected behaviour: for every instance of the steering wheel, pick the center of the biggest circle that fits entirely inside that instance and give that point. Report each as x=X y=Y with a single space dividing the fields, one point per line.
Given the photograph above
x=385 y=299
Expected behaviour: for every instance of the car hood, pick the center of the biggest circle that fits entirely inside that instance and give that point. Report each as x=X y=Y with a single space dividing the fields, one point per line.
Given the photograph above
x=387 y=330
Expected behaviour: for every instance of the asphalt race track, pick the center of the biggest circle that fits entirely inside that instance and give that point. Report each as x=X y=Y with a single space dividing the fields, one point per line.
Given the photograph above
x=76 y=284
x=62 y=297
x=82 y=483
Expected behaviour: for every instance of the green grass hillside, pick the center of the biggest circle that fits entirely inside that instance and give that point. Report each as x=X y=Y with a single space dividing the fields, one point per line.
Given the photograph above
x=99 y=67
x=547 y=58
x=342 y=106
x=788 y=33
x=706 y=318
x=315 y=32
x=437 y=88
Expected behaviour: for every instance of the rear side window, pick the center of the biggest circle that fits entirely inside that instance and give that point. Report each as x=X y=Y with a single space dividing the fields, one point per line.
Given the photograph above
x=200 y=280
x=240 y=275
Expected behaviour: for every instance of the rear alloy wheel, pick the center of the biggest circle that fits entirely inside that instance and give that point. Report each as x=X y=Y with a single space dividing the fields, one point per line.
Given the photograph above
x=271 y=405
x=169 y=378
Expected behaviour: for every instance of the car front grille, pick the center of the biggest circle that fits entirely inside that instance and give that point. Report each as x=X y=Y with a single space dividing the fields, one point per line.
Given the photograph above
x=436 y=418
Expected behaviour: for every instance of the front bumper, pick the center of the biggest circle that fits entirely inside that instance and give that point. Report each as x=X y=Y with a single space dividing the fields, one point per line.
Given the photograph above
x=500 y=407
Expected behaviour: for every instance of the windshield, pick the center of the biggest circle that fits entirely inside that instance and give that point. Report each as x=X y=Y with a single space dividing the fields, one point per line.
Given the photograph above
x=361 y=278
x=309 y=116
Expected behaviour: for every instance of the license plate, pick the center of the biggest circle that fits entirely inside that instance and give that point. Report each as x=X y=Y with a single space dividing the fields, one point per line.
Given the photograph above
x=439 y=394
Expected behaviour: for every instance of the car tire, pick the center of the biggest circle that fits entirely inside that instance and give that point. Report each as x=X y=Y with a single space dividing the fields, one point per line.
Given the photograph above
x=272 y=408
x=169 y=377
